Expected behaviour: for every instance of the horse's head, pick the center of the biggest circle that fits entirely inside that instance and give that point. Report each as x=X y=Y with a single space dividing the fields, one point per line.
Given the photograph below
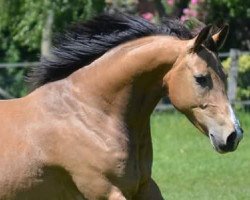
x=197 y=87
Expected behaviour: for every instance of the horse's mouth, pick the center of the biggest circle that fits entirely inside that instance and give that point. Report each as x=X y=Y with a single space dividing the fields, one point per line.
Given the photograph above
x=212 y=141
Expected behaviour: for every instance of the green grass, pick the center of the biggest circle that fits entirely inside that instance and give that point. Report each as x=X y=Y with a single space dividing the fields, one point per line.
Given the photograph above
x=187 y=168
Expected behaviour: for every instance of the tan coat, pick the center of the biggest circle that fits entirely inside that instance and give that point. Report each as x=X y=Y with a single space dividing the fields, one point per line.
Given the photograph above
x=88 y=136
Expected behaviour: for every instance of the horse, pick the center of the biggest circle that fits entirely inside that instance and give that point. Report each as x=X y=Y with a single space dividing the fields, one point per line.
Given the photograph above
x=83 y=132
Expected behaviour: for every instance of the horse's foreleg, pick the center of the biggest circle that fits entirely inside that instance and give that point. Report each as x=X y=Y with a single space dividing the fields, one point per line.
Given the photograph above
x=116 y=194
x=98 y=188
x=149 y=191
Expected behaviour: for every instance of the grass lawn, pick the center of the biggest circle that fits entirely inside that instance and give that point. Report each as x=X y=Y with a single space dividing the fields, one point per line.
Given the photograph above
x=186 y=166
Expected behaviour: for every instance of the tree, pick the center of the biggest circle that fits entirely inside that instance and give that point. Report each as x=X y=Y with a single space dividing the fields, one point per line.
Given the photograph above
x=26 y=28
x=26 y=19
x=237 y=14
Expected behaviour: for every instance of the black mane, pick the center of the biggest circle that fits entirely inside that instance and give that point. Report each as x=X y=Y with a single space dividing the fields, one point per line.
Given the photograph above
x=87 y=41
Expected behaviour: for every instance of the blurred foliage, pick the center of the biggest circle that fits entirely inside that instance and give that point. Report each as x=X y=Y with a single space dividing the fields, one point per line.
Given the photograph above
x=243 y=90
x=12 y=80
x=235 y=8
x=21 y=25
x=24 y=20
x=128 y=6
x=237 y=14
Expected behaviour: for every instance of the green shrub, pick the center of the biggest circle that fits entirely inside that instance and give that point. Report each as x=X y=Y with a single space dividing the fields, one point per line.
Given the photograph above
x=243 y=90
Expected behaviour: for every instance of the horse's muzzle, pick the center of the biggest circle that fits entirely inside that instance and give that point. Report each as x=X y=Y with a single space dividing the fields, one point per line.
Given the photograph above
x=231 y=143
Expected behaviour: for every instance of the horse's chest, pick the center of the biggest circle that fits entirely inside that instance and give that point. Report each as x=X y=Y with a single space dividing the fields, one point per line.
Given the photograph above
x=125 y=173
x=109 y=157
x=130 y=170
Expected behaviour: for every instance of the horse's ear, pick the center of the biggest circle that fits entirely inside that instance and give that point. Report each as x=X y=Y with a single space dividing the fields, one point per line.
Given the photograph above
x=220 y=37
x=201 y=38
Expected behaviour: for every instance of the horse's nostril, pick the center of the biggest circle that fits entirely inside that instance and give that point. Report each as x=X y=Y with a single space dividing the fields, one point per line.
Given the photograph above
x=230 y=145
x=231 y=140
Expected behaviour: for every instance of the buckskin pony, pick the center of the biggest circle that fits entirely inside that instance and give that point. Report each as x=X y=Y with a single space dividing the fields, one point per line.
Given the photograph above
x=84 y=131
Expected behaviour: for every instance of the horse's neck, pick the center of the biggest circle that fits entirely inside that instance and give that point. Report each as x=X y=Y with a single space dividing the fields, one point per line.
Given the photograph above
x=121 y=88
x=127 y=81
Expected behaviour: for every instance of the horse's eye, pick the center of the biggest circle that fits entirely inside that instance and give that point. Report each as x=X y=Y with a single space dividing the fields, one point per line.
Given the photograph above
x=202 y=80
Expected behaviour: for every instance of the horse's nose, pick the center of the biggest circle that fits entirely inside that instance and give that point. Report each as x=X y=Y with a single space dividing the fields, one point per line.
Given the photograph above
x=230 y=143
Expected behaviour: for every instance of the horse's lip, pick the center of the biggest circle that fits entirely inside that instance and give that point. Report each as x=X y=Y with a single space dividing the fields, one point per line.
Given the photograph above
x=213 y=142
